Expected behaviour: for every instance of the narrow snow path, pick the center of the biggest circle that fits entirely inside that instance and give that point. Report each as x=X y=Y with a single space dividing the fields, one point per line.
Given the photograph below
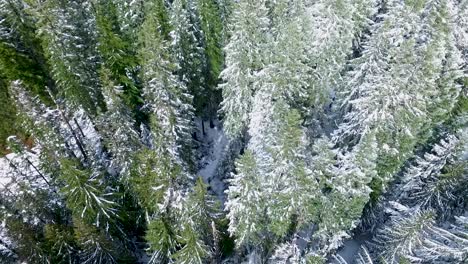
x=214 y=143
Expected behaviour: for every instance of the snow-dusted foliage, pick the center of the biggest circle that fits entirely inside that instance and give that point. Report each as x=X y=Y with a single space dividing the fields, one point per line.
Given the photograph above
x=335 y=25
x=286 y=253
x=243 y=60
x=412 y=235
x=437 y=180
x=166 y=96
x=233 y=131
x=246 y=201
x=69 y=40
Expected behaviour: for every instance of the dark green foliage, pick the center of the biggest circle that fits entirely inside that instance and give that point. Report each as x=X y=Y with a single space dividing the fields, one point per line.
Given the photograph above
x=15 y=65
x=87 y=195
x=69 y=39
x=60 y=243
x=118 y=56
x=7 y=117
x=343 y=114
x=95 y=245
x=30 y=245
x=150 y=178
x=21 y=58
x=161 y=238
x=212 y=29
x=161 y=13
x=21 y=54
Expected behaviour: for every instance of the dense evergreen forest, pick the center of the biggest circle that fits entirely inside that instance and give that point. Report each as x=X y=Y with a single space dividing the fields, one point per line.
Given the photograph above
x=233 y=131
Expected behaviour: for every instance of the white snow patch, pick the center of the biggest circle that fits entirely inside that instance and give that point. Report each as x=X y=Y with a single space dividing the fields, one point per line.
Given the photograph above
x=216 y=143
x=4 y=172
x=351 y=247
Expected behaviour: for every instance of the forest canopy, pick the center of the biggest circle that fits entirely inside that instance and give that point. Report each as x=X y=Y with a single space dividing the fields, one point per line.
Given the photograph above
x=233 y=131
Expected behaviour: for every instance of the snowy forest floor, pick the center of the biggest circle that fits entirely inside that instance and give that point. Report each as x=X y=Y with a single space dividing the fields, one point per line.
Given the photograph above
x=212 y=149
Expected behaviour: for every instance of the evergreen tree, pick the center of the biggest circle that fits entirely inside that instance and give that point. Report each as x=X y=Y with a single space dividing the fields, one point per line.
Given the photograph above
x=245 y=205
x=21 y=58
x=21 y=54
x=335 y=27
x=75 y=160
x=166 y=97
x=130 y=15
x=7 y=118
x=189 y=51
x=69 y=38
x=197 y=235
x=445 y=244
x=397 y=241
x=391 y=67
x=287 y=252
x=118 y=55
x=348 y=120
x=437 y=181
x=244 y=55
x=211 y=26
x=118 y=130
x=343 y=177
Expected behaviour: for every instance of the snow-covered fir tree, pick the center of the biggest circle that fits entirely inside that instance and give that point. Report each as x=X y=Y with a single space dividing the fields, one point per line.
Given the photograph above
x=167 y=98
x=189 y=51
x=244 y=58
x=69 y=37
x=337 y=131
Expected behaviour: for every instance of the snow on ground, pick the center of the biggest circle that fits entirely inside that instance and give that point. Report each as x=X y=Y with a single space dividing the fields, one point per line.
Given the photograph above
x=4 y=172
x=351 y=247
x=5 y=180
x=27 y=163
x=5 y=241
x=213 y=147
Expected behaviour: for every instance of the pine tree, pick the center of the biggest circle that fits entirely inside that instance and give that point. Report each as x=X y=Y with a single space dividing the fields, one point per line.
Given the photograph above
x=161 y=238
x=412 y=235
x=346 y=179
x=68 y=34
x=8 y=117
x=458 y=11
x=197 y=236
x=211 y=26
x=288 y=61
x=437 y=181
x=31 y=200
x=118 y=55
x=151 y=177
x=21 y=54
x=118 y=130
x=96 y=246
x=446 y=244
x=189 y=52
x=203 y=209
x=293 y=186
x=405 y=233
x=86 y=196
x=335 y=26
x=243 y=59
x=347 y=117
x=392 y=66
x=245 y=204
x=75 y=161
x=286 y=253
x=21 y=58
x=277 y=138
x=166 y=97
x=130 y=15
